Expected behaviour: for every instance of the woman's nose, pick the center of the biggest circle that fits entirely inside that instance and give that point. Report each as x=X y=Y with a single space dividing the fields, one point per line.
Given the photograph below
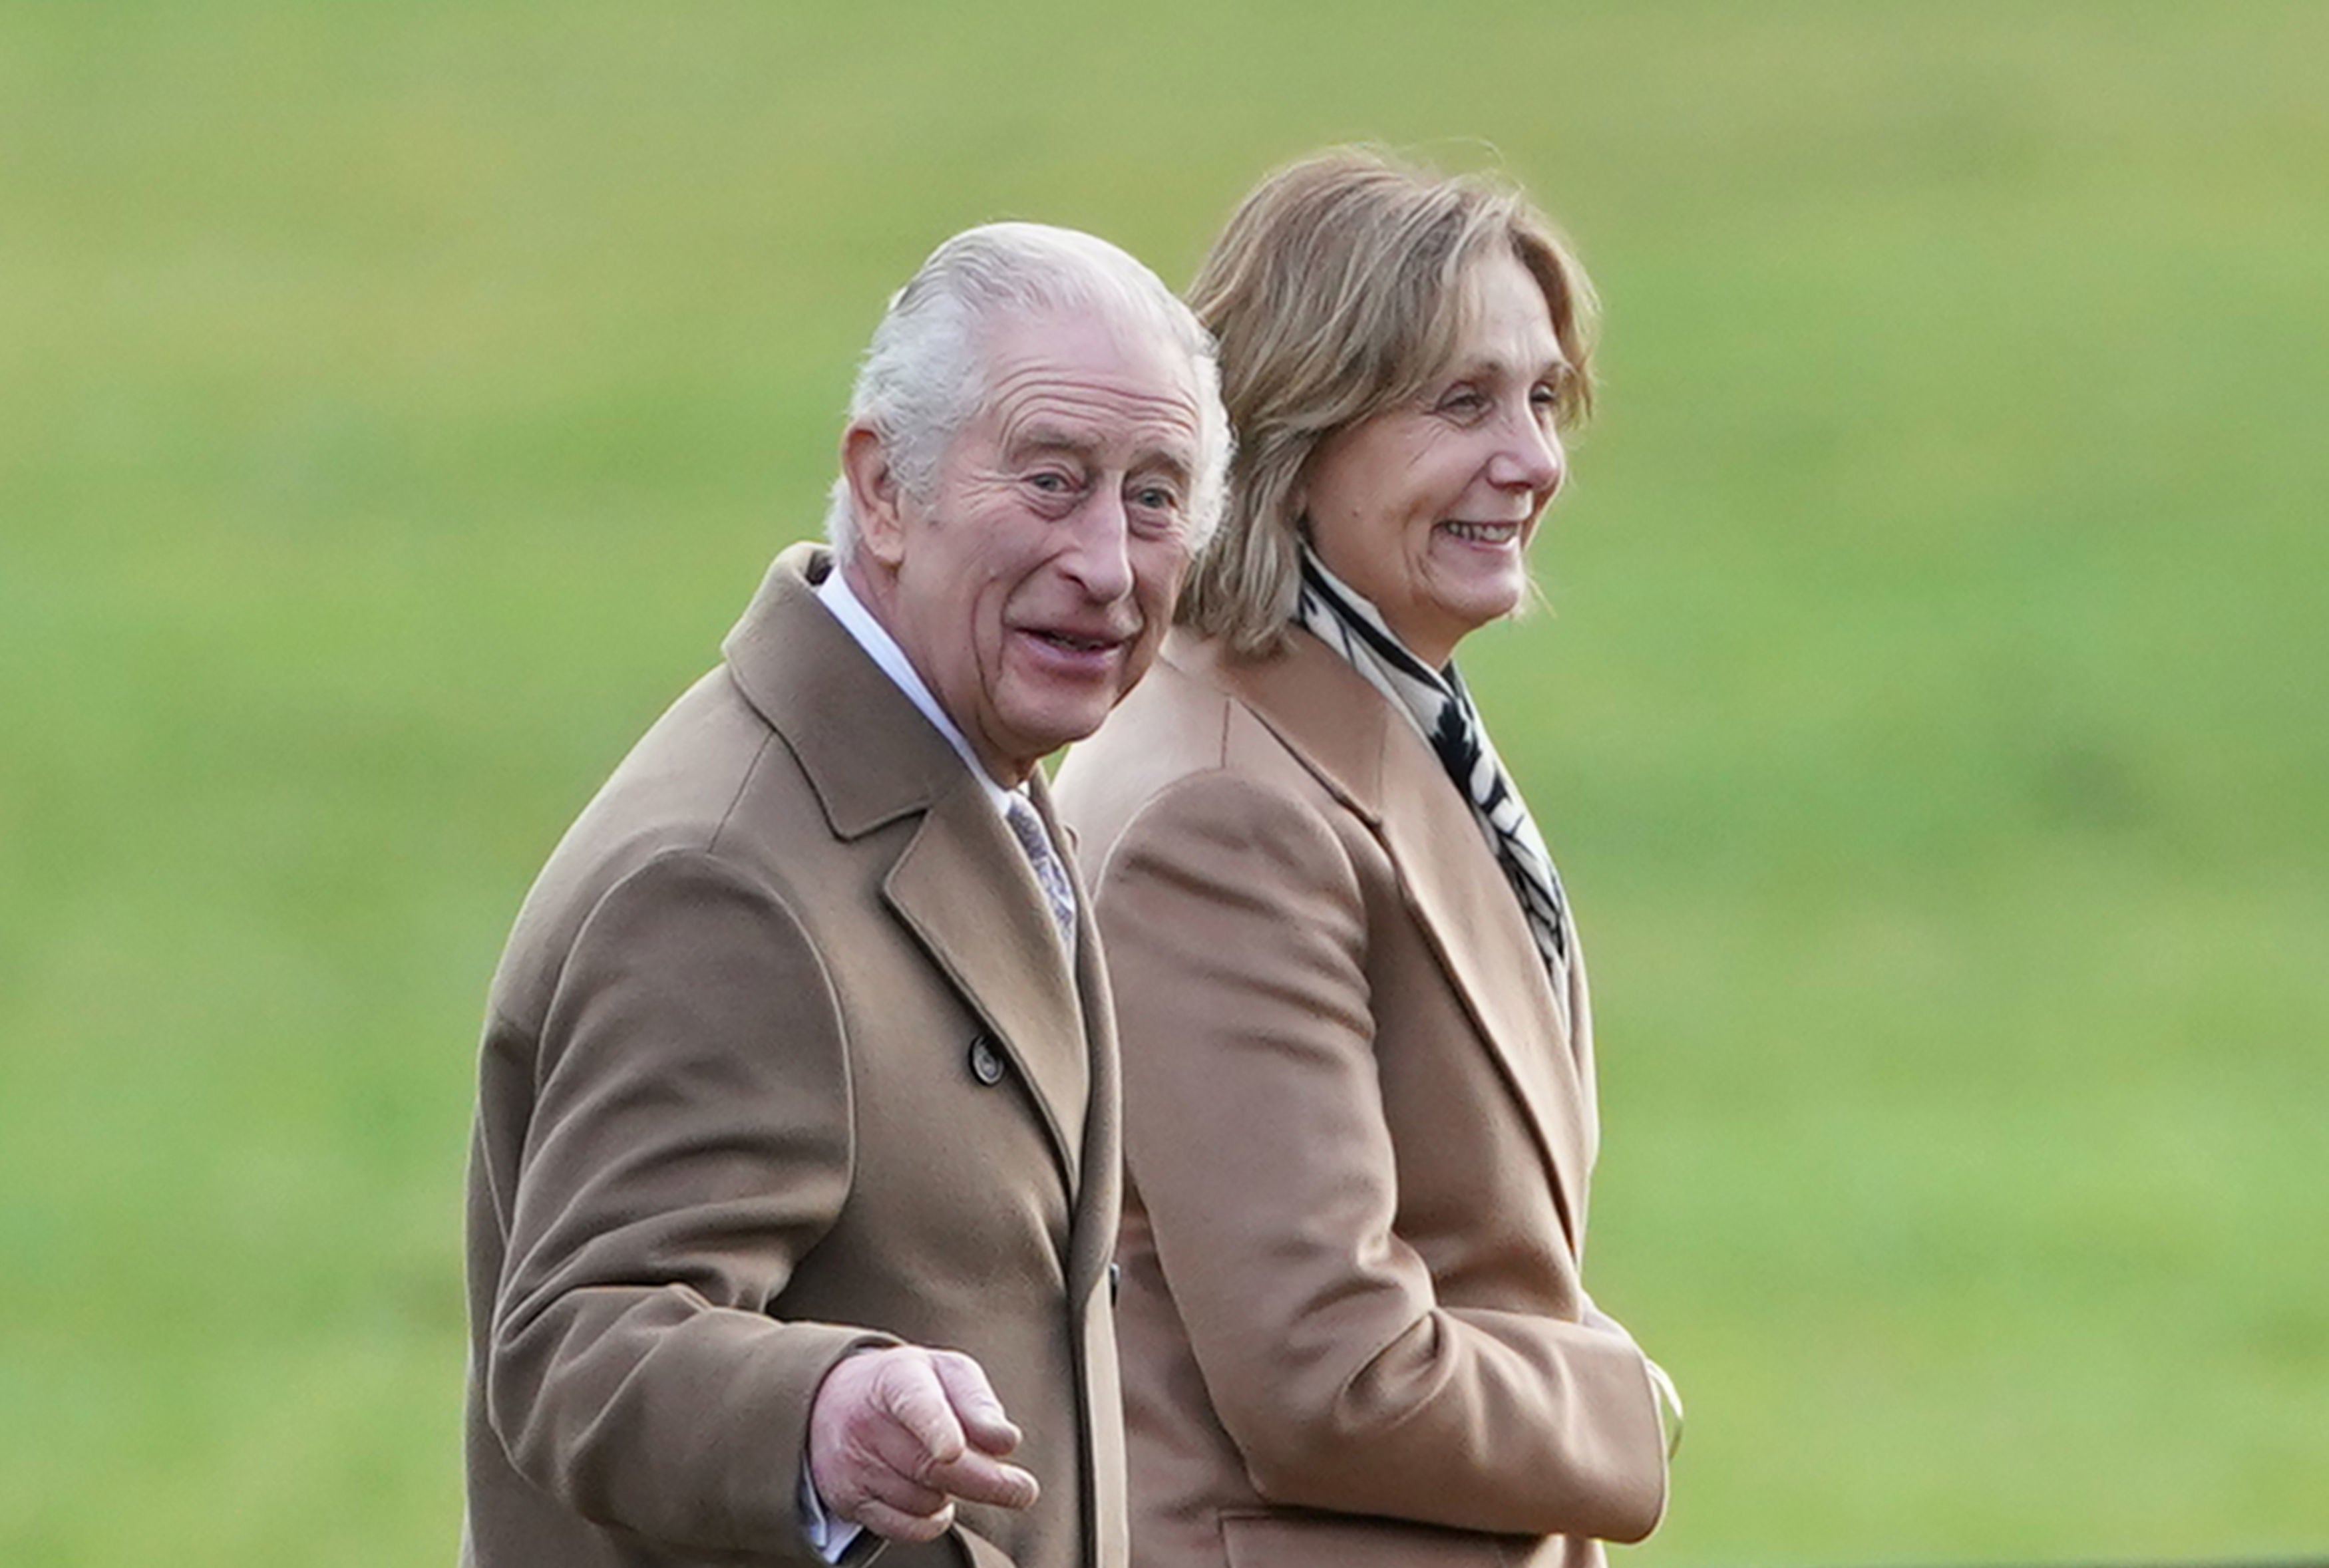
x=1529 y=457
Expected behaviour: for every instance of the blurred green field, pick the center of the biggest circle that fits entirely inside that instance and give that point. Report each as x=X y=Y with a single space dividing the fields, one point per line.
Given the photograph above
x=397 y=402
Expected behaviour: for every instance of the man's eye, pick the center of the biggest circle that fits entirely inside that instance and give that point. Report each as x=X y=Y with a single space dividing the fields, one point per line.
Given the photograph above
x=1050 y=481
x=1155 y=497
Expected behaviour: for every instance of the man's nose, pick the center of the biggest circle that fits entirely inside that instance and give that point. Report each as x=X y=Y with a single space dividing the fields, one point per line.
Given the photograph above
x=1099 y=555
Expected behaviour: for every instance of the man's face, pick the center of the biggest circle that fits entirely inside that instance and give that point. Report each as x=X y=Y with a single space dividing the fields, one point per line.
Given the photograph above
x=1032 y=587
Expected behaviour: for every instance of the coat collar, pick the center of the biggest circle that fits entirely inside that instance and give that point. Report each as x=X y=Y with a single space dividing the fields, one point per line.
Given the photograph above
x=874 y=760
x=1347 y=734
x=1322 y=709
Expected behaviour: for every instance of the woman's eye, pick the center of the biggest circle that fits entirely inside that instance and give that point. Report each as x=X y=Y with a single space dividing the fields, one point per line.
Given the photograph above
x=1463 y=400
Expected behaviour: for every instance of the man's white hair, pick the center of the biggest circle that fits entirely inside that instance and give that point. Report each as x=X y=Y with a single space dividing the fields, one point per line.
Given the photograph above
x=925 y=375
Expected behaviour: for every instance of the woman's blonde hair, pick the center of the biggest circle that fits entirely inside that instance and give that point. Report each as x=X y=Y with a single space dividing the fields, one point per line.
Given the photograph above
x=1336 y=291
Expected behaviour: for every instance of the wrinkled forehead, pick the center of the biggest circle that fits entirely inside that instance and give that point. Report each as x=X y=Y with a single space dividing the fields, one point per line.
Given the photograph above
x=1088 y=380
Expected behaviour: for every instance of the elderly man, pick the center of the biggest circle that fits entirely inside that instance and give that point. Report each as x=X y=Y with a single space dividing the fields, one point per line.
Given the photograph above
x=795 y=1174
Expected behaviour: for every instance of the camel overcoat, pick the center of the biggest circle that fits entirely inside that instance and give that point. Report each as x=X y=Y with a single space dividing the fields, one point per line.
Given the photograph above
x=783 y=1058
x=1358 y=1123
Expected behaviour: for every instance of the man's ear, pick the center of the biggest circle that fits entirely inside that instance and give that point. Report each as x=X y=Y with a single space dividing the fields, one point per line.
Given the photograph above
x=874 y=492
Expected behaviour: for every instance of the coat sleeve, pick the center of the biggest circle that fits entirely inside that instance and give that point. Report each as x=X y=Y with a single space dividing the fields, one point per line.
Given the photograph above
x=1236 y=928
x=689 y=1142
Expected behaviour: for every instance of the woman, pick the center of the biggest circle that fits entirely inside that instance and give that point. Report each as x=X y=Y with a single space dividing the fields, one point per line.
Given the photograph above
x=1357 y=1053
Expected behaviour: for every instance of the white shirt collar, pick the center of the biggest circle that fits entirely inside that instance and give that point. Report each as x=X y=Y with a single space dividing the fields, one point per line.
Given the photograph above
x=872 y=636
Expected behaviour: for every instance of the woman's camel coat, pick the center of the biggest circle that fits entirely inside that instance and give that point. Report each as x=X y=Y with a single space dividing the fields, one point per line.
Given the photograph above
x=1358 y=1123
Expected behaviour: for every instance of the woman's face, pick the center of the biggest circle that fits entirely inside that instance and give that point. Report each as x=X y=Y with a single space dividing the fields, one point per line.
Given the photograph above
x=1428 y=508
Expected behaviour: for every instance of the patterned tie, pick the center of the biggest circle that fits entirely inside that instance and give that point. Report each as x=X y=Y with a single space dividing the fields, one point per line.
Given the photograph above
x=1028 y=829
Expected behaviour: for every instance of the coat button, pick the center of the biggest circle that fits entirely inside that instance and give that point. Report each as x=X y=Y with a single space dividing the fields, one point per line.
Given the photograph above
x=1115 y=1283
x=985 y=1061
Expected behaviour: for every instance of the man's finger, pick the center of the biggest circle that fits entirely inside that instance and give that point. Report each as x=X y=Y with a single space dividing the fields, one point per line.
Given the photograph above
x=975 y=1404
x=903 y=1494
x=897 y=1525
x=908 y=1391
x=977 y=1478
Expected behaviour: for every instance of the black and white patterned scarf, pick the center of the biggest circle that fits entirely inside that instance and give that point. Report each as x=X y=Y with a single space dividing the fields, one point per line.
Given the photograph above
x=1437 y=704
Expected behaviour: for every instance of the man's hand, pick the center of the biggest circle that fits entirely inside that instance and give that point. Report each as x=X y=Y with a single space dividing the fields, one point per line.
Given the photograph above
x=896 y=1436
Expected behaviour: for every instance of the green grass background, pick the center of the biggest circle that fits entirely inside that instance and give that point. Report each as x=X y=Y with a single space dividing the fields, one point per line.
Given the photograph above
x=397 y=402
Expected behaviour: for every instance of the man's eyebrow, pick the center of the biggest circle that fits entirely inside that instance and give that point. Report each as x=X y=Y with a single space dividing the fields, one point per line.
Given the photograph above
x=1040 y=436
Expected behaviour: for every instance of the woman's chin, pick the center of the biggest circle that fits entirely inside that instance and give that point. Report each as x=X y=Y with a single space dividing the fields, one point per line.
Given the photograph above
x=1466 y=607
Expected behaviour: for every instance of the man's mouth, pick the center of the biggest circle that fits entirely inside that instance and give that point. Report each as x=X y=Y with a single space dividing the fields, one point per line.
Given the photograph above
x=1077 y=642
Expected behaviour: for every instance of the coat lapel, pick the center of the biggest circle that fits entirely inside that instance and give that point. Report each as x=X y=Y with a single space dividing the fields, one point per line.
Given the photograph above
x=960 y=884
x=1468 y=914
x=999 y=949
x=1347 y=734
